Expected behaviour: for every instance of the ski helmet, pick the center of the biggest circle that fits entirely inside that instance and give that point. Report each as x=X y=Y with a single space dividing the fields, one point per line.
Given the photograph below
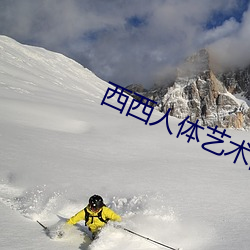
x=95 y=202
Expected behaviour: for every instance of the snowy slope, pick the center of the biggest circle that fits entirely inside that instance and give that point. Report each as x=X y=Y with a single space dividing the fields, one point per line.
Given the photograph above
x=58 y=146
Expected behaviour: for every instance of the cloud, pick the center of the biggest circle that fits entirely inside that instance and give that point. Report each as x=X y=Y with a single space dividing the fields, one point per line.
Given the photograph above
x=233 y=49
x=125 y=41
x=228 y=28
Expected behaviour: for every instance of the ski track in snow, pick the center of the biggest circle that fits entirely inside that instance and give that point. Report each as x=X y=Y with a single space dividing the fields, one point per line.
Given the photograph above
x=145 y=214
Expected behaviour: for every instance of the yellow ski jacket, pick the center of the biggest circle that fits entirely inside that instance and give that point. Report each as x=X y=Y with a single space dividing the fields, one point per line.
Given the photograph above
x=94 y=223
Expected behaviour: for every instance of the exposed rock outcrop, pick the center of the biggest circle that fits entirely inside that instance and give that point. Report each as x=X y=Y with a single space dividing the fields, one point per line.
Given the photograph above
x=201 y=94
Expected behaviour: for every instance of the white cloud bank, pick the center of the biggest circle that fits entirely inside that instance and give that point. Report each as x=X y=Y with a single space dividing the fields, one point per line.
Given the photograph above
x=130 y=41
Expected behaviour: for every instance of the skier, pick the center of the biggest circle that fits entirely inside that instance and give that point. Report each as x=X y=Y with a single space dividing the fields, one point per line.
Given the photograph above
x=95 y=214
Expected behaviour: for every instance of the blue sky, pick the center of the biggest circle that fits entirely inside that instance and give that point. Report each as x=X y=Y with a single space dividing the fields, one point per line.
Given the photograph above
x=132 y=41
x=218 y=17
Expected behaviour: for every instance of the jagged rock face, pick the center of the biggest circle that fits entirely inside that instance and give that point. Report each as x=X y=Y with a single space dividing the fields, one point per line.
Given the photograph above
x=138 y=88
x=237 y=81
x=199 y=94
x=156 y=94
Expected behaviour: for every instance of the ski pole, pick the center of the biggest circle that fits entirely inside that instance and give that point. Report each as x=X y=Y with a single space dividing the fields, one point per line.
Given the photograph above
x=146 y=238
x=45 y=228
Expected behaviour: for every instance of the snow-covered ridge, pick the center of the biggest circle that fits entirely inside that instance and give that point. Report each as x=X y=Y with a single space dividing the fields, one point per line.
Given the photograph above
x=33 y=74
x=22 y=67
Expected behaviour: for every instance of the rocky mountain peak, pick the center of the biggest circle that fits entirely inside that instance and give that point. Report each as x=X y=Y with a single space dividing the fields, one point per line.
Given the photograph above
x=201 y=94
x=194 y=65
x=237 y=81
